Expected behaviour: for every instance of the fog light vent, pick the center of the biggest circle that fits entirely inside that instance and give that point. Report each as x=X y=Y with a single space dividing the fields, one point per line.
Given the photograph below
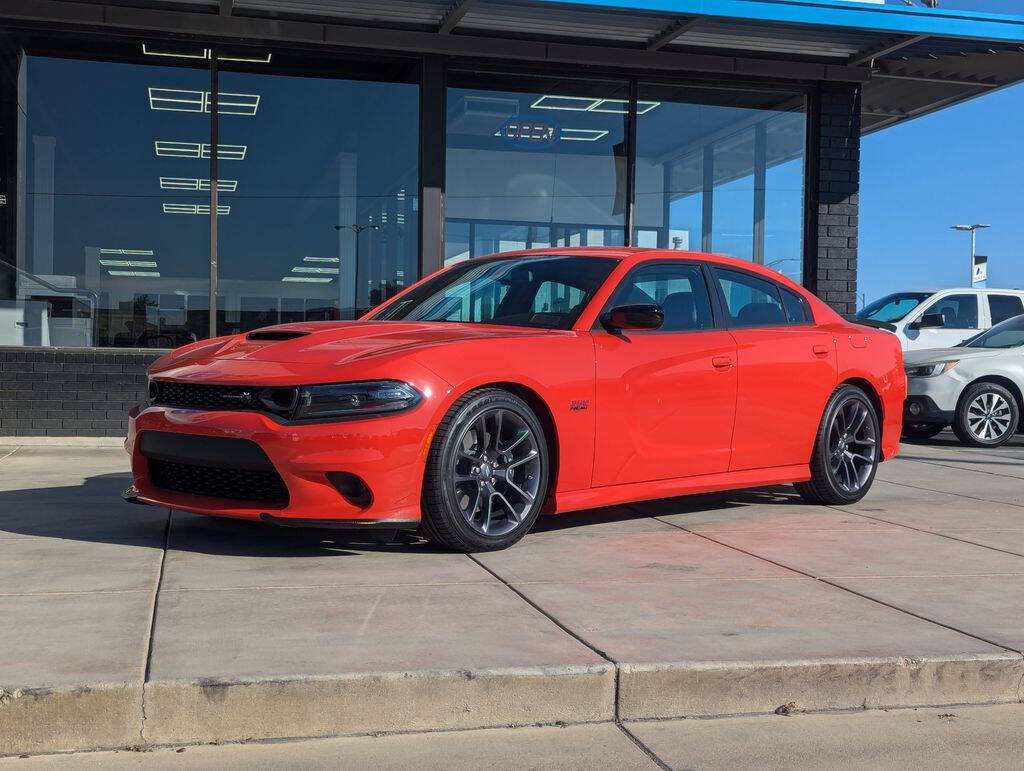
x=352 y=488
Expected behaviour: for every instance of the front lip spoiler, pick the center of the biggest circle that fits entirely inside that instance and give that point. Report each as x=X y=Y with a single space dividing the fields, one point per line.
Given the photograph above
x=131 y=495
x=342 y=524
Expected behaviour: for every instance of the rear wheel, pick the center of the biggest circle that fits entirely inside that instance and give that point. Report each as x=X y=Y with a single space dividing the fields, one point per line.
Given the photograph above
x=486 y=475
x=846 y=451
x=987 y=416
x=918 y=432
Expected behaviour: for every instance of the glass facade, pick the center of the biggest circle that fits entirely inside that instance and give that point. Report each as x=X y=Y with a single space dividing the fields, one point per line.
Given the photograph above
x=108 y=169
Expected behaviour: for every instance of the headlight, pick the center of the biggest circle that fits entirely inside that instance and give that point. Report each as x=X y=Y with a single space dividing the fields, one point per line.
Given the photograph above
x=931 y=370
x=344 y=400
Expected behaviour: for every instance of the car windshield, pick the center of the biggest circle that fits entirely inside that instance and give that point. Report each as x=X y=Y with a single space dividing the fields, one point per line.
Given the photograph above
x=892 y=307
x=1009 y=334
x=547 y=291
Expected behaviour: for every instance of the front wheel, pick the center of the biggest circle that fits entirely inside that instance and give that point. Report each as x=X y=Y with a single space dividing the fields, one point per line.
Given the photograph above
x=986 y=416
x=846 y=450
x=486 y=475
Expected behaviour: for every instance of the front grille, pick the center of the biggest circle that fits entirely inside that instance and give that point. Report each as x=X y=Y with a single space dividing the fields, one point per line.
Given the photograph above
x=233 y=483
x=199 y=396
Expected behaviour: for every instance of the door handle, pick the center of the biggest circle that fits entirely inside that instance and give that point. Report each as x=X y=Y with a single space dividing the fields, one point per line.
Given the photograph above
x=721 y=362
x=820 y=350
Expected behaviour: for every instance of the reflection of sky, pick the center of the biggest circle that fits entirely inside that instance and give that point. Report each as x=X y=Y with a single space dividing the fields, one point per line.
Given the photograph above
x=289 y=185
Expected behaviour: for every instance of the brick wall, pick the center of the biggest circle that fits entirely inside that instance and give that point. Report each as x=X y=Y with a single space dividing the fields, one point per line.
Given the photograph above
x=47 y=392
x=831 y=271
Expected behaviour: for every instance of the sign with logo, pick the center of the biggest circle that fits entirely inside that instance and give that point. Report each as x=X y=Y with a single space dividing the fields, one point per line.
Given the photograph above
x=526 y=131
x=980 y=274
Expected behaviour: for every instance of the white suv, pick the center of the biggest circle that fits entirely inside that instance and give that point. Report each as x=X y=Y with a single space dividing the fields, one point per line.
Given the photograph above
x=942 y=318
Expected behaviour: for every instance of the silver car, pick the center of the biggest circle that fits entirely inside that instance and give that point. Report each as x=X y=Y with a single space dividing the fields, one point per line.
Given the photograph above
x=974 y=387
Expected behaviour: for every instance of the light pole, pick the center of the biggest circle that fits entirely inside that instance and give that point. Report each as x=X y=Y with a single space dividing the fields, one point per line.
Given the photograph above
x=356 y=228
x=974 y=234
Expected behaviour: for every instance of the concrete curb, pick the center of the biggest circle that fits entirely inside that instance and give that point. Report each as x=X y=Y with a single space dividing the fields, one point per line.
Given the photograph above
x=171 y=712
x=62 y=441
x=690 y=689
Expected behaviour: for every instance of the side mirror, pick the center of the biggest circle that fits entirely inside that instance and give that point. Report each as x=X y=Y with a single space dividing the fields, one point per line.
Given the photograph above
x=627 y=317
x=930 y=321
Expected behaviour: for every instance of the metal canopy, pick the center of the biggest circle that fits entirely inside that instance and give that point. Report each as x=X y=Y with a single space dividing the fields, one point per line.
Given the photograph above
x=914 y=60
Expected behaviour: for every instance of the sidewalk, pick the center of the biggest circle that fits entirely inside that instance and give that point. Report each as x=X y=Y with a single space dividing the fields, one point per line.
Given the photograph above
x=124 y=625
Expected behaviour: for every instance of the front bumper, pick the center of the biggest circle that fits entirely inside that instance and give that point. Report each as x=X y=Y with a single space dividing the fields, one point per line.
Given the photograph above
x=386 y=453
x=923 y=409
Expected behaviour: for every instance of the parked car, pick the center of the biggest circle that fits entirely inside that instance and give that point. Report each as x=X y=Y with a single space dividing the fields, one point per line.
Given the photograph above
x=942 y=318
x=974 y=387
x=558 y=380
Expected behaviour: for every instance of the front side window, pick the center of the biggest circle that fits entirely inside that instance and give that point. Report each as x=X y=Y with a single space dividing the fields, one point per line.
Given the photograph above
x=958 y=311
x=751 y=301
x=547 y=292
x=679 y=290
x=1004 y=306
x=1009 y=334
x=892 y=307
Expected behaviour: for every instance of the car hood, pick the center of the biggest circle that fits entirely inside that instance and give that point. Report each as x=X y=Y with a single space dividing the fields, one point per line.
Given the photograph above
x=302 y=349
x=931 y=355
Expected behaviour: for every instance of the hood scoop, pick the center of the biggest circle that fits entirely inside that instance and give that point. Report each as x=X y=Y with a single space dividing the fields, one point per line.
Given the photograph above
x=274 y=335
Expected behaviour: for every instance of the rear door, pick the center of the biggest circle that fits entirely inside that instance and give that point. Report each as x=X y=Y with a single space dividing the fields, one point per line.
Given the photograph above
x=666 y=397
x=786 y=370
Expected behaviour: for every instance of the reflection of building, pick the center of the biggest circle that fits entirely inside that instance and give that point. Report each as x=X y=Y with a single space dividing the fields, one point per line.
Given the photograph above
x=443 y=129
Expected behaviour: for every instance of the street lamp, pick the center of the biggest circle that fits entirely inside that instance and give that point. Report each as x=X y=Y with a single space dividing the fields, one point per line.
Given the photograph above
x=356 y=228
x=974 y=234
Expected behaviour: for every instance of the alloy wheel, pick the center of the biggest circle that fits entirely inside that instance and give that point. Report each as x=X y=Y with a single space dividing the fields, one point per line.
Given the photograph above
x=852 y=445
x=989 y=416
x=496 y=471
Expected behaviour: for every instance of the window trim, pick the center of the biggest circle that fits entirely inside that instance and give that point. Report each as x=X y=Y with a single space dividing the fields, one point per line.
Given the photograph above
x=702 y=268
x=727 y=314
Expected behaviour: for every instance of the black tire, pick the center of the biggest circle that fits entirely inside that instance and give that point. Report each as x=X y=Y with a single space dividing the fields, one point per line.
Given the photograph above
x=835 y=478
x=450 y=511
x=919 y=432
x=971 y=431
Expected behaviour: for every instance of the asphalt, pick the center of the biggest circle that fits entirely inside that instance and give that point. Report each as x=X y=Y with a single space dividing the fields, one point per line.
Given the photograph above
x=125 y=626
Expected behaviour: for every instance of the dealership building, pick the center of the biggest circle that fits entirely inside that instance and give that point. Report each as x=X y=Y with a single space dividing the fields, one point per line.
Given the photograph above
x=173 y=170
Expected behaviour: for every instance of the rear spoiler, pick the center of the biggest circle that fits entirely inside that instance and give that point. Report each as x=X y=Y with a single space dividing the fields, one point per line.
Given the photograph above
x=876 y=324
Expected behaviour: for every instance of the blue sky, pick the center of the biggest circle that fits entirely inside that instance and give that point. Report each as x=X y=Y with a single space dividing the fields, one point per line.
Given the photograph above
x=964 y=164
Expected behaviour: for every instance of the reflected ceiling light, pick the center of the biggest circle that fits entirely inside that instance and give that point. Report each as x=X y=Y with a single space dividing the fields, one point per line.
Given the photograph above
x=128 y=263
x=573 y=103
x=199 y=150
x=308 y=279
x=147 y=252
x=194 y=208
x=184 y=100
x=205 y=53
x=144 y=273
x=320 y=259
x=582 y=135
x=621 y=106
x=191 y=183
x=302 y=269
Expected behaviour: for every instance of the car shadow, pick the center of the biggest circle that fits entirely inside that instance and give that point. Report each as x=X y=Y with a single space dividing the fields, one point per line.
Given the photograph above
x=94 y=512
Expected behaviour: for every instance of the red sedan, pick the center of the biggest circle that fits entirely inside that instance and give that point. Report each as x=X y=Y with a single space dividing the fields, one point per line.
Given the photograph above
x=528 y=382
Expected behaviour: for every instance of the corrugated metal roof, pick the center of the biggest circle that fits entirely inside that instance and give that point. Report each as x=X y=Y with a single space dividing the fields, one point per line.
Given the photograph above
x=524 y=18
x=384 y=12
x=775 y=38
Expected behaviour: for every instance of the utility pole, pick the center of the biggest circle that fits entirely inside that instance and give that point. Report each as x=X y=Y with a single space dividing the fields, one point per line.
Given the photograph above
x=356 y=228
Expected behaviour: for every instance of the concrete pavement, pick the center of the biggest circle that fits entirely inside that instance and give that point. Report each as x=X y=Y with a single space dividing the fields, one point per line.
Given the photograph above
x=131 y=626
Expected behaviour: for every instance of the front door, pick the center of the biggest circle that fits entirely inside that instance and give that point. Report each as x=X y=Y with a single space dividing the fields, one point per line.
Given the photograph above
x=960 y=319
x=665 y=398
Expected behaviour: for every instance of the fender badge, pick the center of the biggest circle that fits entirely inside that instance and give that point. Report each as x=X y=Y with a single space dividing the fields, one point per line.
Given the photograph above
x=575 y=405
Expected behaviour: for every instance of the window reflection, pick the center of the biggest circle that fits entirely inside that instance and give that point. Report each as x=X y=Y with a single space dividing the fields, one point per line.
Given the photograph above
x=533 y=163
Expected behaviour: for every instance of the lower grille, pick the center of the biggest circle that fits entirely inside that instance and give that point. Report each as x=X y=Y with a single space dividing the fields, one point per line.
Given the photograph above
x=263 y=486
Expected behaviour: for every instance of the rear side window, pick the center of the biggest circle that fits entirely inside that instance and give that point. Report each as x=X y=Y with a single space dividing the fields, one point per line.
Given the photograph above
x=751 y=301
x=959 y=311
x=1004 y=306
x=797 y=309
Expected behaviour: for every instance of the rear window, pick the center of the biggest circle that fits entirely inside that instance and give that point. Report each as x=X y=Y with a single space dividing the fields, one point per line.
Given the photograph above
x=798 y=311
x=1004 y=306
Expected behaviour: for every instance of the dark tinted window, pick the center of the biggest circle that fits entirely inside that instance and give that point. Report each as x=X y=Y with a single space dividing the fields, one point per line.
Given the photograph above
x=751 y=301
x=959 y=311
x=1004 y=306
x=797 y=309
x=679 y=290
x=549 y=291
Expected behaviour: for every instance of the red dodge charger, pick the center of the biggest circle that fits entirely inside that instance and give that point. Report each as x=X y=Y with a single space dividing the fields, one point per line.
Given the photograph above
x=509 y=385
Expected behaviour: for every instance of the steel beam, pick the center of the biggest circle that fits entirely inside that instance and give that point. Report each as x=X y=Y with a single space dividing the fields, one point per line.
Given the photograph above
x=877 y=52
x=454 y=15
x=671 y=34
x=937 y=79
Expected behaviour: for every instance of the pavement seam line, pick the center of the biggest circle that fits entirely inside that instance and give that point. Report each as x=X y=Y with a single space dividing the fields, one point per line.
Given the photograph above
x=958 y=495
x=152 y=629
x=957 y=468
x=8 y=455
x=564 y=628
x=643 y=747
x=847 y=589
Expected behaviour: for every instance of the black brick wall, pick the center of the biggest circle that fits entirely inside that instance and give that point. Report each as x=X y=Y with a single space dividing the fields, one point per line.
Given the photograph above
x=47 y=392
x=831 y=268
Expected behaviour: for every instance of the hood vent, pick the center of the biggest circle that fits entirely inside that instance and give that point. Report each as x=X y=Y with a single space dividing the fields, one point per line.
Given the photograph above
x=275 y=334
